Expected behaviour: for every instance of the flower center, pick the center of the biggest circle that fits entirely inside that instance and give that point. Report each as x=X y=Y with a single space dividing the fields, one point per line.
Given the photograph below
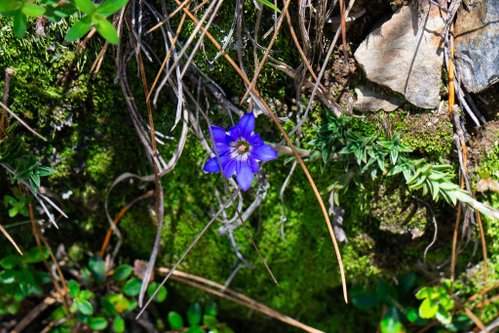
x=240 y=149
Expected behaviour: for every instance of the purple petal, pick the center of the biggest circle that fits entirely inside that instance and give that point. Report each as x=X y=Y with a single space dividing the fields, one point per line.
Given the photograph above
x=247 y=125
x=255 y=140
x=219 y=134
x=224 y=160
x=212 y=165
x=263 y=153
x=222 y=148
x=245 y=176
x=253 y=164
x=230 y=168
x=234 y=133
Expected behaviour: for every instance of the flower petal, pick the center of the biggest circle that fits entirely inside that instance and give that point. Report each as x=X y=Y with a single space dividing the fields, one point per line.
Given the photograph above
x=263 y=153
x=222 y=148
x=212 y=165
x=234 y=133
x=253 y=164
x=247 y=125
x=245 y=176
x=219 y=134
x=255 y=140
x=230 y=168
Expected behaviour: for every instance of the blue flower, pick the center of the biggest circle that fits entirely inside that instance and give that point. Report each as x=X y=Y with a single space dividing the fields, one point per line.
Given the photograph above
x=239 y=151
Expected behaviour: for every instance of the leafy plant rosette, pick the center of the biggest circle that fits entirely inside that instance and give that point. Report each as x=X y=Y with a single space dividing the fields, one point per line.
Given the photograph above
x=94 y=15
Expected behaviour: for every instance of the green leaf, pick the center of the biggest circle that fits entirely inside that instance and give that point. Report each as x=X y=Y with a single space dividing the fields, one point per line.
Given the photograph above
x=85 y=307
x=107 y=306
x=20 y=24
x=391 y=322
x=31 y=9
x=160 y=296
x=86 y=294
x=366 y=301
x=386 y=291
x=211 y=309
x=270 y=5
x=120 y=303
x=122 y=272
x=443 y=316
x=45 y=171
x=97 y=323
x=118 y=324
x=13 y=211
x=34 y=255
x=105 y=29
x=406 y=283
x=424 y=293
x=85 y=6
x=74 y=288
x=10 y=261
x=109 y=7
x=175 y=320
x=428 y=309
x=79 y=29
x=9 y=200
x=132 y=287
x=412 y=315
x=210 y=321
x=97 y=267
x=195 y=329
x=10 y=6
x=194 y=314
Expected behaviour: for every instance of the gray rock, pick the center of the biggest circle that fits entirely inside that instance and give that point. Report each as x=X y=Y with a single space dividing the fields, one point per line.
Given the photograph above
x=477 y=45
x=405 y=53
x=371 y=99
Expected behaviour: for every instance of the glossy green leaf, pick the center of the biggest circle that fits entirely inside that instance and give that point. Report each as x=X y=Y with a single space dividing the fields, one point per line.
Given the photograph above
x=86 y=294
x=79 y=29
x=74 y=288
x=412 y=315
x=132 y=287
x=391 y=322
x=386 y=291
x=407 y=282
x=195 y=329
x=211 y=309
x=428 y=309
x=10 y=261
x=210 y=321
x=122 y=272
x=194 y=314
x=85 y=307
x=34 y=255
x=31 y=9
x=443 y=316
x=20 y=24
x=10 y=5
x=107 y=306
x=97 y=323
x=97 y=267
x=109 y=7
x=175 y=320
x=85 y=6
x=118 y=324
x=160 y=296
x=105 y=29
x=120 y=303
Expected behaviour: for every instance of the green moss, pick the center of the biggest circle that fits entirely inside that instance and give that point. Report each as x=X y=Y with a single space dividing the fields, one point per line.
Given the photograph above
x=429 y=134
x=398 y=212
